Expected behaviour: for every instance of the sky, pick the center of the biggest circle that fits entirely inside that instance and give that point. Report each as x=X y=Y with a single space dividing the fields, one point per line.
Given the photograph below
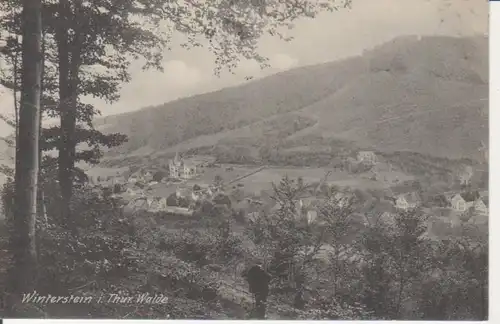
x=329 y=37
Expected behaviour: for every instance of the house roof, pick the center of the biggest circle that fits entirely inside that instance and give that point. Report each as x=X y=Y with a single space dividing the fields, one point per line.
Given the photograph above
x=449 y=195
x=189 y=164
x=484 y=200
x=179 y=211
x=458 y=195
x=483 y=193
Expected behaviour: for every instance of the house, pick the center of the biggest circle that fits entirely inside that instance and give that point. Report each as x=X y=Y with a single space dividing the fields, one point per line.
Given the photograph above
x=479 y=213
x=154 y=205
x=407 y=201
x=162 y=203
x=311 y=216
x=307 y=209
x=209 y=191
x=202 y=191
x=149 y=201
x=458 y=203
x=178 y=211
x=196 y=195
x=343 y=199
x=183 y=192
x=484 y=194
x=480 y=207
x=189 y=170
x=181 y=169
x=201 y=194
x=449 y=196
x=465 y=174
x=140 y=203
x=367 y=156
x=133 y=179
x=158 y=204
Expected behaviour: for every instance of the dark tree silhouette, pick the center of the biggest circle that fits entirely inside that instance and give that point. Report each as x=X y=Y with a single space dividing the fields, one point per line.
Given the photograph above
x=23 y=272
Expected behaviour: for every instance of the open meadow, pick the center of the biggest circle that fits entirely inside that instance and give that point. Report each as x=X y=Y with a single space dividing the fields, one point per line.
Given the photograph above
x=262 y=180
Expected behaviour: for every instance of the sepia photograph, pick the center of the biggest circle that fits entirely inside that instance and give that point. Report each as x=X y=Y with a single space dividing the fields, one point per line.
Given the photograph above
x=244 y=159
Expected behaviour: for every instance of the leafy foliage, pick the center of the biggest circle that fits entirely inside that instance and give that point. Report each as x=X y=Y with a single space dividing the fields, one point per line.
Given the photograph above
x=383 y=271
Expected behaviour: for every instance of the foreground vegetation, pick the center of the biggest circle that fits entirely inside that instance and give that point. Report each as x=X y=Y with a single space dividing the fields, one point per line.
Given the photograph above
x=336 y=267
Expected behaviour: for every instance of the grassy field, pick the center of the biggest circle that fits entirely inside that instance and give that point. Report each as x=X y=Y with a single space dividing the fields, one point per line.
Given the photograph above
x=105 y=172
x=263 y=179
x=228 y=172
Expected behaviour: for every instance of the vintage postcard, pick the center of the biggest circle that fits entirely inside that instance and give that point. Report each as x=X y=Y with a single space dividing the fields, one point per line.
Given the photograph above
x=244 y=159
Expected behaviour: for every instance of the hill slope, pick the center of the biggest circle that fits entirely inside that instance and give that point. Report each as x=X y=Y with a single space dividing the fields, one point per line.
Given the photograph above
x=424 y=95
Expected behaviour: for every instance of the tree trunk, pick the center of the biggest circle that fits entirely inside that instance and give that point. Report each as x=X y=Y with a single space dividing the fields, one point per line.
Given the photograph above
x=16 y=106
x=64 y=161
x=397 y=312
x=42 y=212
x=23 y=276
x=69 y=66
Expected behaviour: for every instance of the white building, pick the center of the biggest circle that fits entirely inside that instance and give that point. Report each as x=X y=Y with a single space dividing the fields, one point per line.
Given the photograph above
x=367 y=156
x=465 y=174
x=132 y=179
x=312 y=215
x=181 y=169
x=458 y=203
x=158 y=204
x=481 y=207
x=183 y=192
x=408 y=201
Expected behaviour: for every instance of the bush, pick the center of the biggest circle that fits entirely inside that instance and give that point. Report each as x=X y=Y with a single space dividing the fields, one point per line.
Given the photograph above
x=191 y=246
x=203 y=247
x=118 y=188
x=172 y=200
x=96 y=250
x=159 y=175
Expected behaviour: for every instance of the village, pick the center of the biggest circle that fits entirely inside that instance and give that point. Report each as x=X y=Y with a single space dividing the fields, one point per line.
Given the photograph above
x=187 y=181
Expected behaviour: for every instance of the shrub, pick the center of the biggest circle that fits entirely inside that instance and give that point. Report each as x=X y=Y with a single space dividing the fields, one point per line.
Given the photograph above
x=159 y=175
x=96 y=250
x=172 y=200
x=118 y=188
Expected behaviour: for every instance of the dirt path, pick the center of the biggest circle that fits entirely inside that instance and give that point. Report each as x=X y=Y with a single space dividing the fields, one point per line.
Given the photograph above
x=247 y=175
